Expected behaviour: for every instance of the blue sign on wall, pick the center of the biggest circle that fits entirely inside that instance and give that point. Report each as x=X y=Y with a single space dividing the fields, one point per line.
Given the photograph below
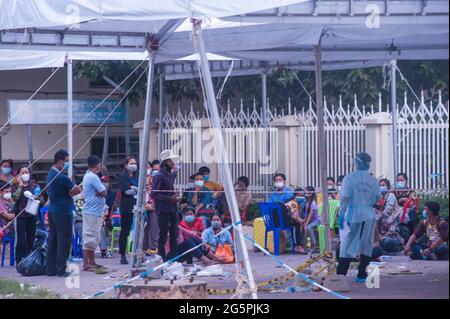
x=55 y=112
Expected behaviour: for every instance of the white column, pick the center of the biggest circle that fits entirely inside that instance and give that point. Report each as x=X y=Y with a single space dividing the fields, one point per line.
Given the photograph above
x=378 y=141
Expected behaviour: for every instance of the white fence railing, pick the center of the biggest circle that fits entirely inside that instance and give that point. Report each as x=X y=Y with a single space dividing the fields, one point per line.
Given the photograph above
x=422 y=140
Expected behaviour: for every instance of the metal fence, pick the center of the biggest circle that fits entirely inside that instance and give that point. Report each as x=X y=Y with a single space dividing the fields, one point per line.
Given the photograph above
x=422 y=136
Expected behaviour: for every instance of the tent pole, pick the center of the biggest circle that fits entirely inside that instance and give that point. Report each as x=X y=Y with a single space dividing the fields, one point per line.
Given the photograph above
x=394 y=118
x=70 y=117
x=105 y=146
x=138 y=235
x=161 y=104
x=322 y=144
x=30 y=144
x=127 y=127
x=242 y=257
x=265 y=126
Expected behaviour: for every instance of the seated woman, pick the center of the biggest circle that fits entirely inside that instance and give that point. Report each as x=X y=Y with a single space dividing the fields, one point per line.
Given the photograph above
x=409 y=204
x=210 y=237
x=192 y=223
x=387 y=213
x=200 y=199
x=312 y=215
x=186 y=241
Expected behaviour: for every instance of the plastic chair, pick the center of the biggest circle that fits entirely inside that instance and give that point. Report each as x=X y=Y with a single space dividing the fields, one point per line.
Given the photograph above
x=268 y=211
x=77 y=250
x=5 y=241
x=333 y=205
x=321 y=233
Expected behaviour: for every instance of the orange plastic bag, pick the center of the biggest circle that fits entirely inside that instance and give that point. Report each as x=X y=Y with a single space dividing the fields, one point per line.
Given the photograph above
x=226 y=253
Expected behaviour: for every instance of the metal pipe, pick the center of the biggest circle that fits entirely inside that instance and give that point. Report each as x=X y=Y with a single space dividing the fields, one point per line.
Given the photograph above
x=322 y=146
x=394 y=118
x=265 y=126
x=105 y=146
x=242 y=257
x=127 y=128
x=70 y=117
x=161 y=104
x=143 y=158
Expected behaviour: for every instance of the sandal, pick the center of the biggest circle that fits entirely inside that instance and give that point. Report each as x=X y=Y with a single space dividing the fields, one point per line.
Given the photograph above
x=101 y=271
x=88 y=268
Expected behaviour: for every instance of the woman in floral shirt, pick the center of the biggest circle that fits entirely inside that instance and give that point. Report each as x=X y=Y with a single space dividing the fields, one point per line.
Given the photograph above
x=387 y=213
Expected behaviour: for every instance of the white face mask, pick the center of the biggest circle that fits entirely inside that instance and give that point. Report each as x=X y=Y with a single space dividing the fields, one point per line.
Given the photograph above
x=132 y=168
x=25 y=177
x=199 y=183
x=278 y=185
x=7 y=196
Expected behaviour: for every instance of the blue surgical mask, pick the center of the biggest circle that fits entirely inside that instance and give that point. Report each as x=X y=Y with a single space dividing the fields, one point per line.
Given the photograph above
x=424 y=215
x=6 y=170
x=154 y=172
x=206 y=178
x=66 y=165
x=216 y=224
x=189 y=218
x=401 y=185
x=383 y=189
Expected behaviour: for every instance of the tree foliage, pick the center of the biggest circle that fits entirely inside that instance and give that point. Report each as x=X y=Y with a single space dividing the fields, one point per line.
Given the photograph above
x=367 y=83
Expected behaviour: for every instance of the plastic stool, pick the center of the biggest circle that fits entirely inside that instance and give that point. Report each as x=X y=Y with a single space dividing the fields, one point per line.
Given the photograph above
x=129 y=244
x=114 y=231
x=5 y=242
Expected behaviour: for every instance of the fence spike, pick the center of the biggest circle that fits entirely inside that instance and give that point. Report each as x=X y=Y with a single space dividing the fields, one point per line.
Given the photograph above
x=440 y=97
x=289 y=105
x=380 y=109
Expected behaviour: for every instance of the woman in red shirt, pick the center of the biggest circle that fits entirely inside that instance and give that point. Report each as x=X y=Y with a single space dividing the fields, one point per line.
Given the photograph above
x=192 y=223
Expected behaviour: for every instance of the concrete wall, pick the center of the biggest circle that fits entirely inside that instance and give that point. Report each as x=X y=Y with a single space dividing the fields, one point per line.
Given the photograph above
x=21 y=85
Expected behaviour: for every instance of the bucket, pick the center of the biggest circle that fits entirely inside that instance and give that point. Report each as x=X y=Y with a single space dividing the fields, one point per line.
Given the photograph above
x=32 y=206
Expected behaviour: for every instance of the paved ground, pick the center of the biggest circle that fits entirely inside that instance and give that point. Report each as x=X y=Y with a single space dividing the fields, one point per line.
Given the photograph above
x=431 y=282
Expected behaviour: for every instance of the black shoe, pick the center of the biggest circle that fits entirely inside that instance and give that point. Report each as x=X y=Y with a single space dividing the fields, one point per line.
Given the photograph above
x=123 y=260
x=103 y=254
x=64 y=274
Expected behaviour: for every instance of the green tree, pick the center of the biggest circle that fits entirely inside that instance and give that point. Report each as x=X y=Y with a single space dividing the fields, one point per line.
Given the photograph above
x=367 y=83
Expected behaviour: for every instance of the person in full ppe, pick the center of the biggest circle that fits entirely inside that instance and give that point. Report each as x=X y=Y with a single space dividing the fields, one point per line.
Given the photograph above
x=359 y=193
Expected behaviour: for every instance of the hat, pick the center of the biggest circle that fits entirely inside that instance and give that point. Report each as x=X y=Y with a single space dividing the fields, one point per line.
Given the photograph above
x=167 y=154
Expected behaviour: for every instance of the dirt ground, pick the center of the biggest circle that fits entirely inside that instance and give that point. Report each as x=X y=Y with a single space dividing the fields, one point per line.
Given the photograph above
x=425 y=279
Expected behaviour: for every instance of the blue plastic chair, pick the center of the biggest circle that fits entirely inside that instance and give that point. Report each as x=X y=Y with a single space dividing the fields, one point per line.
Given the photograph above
x=44 y=211
x=268 y=211
x=5 y=242
x=77 y=249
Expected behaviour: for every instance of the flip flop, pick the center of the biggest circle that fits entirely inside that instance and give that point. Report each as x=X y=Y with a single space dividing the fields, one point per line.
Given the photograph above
x=89 y=268
x=101 y=271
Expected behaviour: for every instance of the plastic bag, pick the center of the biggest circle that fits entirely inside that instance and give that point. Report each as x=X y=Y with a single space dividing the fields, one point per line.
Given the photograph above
x=225 y=253
x=34 y=264
x=214 y=270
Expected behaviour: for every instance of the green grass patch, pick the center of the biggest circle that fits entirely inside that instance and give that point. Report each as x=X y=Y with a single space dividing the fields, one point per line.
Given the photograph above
x=11 y=289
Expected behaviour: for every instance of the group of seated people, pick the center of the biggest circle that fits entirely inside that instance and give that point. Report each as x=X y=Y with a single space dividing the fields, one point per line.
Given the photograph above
x=398 y=226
